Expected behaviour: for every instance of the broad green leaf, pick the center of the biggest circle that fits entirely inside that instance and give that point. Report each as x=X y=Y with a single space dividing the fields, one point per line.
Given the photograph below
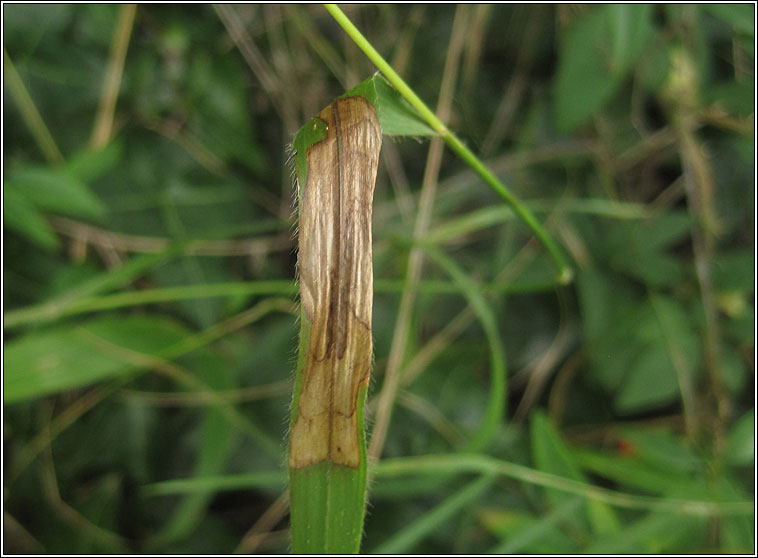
x=640 y=349
x=614 y=324
x=631 y=30
x=584 y=81
x=639 y=249
x=609 y=314
x=668 y=352
x=57 y=191
x=21 y=216
x=598 y=51
x=89 y=165
x=650 y=382
x=72 y=356
x=652 y=268
x=396 y=116
x=664 y=231
x=603 y=301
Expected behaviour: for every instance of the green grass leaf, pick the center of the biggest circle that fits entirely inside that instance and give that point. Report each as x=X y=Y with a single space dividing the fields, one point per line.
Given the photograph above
x=57 y=191
x=649 y=382
x=88 y=164
x=215 y=442
x=67 y=357
x=531 y=533
x=405 y=540
x=22 y=216
x=635 y=472
x=656 y=533
x=551 y=455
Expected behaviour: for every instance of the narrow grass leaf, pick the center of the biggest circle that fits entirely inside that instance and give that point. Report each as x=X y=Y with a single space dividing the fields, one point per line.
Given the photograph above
x=656 y=533
x=222 y=483
x=538 y=535
x=68 y=357
x=551 y=455
x=404 y=541
x=21 y=216
x=495 y=410
x=468 y=463
x=56 y=190
x=215 y=442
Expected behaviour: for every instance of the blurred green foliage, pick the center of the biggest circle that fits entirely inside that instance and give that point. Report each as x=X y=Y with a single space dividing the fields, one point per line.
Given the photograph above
x=629 y=130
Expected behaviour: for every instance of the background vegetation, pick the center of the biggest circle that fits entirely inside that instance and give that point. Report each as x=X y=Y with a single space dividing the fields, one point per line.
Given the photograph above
x=149 y=301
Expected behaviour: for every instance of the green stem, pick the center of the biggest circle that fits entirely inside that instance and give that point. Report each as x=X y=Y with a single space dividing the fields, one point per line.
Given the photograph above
x=460 y=464
x=477 y=463
x=62 y=304
x=565 y=273
x=56 y=309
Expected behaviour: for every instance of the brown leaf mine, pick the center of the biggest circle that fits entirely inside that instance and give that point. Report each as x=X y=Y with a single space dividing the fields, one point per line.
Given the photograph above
x=336 y=283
